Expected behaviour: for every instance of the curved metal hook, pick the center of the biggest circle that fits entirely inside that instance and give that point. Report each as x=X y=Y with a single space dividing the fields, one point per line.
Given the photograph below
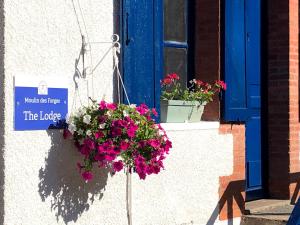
x=115 y=38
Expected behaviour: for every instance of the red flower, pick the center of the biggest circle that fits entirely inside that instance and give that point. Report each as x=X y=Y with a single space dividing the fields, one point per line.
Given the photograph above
x=166 y=81
x=118 y=166
x=221 y=84
x=87 y=176
x=124 y=145
x=199 y=82
x=99 y=135
x=174 y=76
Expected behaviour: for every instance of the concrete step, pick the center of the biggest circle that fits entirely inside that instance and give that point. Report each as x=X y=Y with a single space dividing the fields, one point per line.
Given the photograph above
x=267 y=212
x=249 y=220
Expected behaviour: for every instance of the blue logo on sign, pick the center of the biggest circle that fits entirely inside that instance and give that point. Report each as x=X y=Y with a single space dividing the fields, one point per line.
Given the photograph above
x=40 y=108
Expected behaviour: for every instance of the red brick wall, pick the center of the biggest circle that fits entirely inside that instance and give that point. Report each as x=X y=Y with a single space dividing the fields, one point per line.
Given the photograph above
x=207 y=68
x=207 y=48
x=294 y=95
x=282 y=77
x=278 y=98
x=283 y=95
x=232 y=188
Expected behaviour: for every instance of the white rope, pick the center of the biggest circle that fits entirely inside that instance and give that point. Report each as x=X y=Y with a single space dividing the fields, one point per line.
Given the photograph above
x=117 y=49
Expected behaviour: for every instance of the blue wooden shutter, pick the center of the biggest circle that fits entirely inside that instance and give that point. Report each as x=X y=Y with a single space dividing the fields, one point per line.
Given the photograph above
x=235 y=104
x=142 y=50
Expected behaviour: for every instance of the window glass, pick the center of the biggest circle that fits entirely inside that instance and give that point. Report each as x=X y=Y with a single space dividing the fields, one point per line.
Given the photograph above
x=176 y=62
x=175 y=20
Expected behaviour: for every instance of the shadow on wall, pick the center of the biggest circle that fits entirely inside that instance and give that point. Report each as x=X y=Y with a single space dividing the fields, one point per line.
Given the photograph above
x=61 y=184
x=295 y=182
x=234 y=192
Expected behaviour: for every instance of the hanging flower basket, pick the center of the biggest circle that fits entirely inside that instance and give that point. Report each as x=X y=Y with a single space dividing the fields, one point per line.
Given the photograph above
x=117 y=136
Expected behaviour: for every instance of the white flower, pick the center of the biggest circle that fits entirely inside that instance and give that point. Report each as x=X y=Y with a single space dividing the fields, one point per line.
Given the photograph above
x=132 y=106
x=108 y=113
x=89 y=133
x=102 y=125
x=72 y=128
x=80 y=132
x=125 y=113
x=81 y=112
x=87 y=119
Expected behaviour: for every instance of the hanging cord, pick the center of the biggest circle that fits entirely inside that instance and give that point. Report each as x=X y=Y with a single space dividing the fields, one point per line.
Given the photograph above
x=116 y=51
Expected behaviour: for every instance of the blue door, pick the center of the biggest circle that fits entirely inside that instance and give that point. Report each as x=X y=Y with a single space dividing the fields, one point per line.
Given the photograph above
x=142 y=50
x=243 y=77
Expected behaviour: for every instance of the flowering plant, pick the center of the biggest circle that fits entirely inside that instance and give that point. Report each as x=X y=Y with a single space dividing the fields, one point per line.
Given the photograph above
x=197 y=91
x=117 y=136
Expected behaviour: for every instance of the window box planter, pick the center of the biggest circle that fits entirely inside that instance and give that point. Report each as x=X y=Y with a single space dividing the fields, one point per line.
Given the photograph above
x=178 y=111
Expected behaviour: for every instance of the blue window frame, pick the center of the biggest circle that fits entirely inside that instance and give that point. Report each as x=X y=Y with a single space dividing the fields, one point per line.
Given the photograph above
x=155 y=42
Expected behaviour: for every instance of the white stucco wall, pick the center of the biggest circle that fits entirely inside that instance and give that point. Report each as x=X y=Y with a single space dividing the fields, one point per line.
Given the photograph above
x=42 y=38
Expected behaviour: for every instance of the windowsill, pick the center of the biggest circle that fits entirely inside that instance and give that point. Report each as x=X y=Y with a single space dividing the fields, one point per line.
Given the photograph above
x=203 y=125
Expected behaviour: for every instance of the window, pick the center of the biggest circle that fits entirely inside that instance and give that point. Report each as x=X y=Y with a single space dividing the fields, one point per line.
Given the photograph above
x=155 y=42
x=176 y=39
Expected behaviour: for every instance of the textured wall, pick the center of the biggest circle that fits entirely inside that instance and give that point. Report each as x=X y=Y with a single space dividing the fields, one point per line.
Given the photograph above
x=42 y=38
x=187 y=191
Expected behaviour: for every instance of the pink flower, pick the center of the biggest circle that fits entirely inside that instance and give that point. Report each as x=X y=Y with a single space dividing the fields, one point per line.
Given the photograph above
x=119 y=123
x=142 y=109
x=85 y=150
x=141 y=167
x=87 y=176
x=124 y=145
x=168 y=146
x=102 y=105
x=142 y=174
x=99 y=157
x=100 y=149
x=154 y=112
x=131 y=131
x=118 y=166
x=102 y=119
x=111 y=106
x=154 y=143
x=116 y=132
x=89 y=143
x=110 y=156
x=99 y=134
